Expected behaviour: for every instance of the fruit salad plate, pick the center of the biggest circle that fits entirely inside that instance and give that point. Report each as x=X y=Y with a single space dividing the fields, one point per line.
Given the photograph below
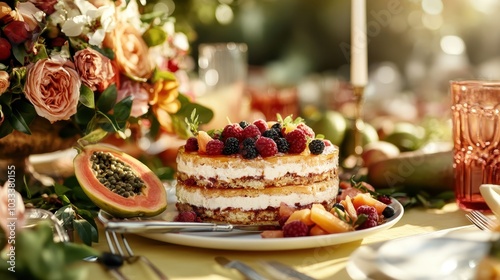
x=252 y=241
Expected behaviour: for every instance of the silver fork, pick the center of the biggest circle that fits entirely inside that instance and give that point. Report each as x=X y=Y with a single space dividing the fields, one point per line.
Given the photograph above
x=481 y=221
x=115 y=246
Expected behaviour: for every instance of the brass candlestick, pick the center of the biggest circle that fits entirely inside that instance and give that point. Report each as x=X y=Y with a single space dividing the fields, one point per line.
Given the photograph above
x=358 y=122
x=353 y=163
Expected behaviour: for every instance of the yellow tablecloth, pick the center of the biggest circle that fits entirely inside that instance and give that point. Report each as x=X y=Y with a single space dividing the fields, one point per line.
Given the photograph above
x=182 y=262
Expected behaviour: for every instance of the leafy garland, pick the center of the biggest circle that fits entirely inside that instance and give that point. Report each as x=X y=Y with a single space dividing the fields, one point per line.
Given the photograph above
x=410 y=197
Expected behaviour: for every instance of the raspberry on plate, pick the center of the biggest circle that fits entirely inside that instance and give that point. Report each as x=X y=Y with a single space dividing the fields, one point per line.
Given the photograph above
x=295 y=229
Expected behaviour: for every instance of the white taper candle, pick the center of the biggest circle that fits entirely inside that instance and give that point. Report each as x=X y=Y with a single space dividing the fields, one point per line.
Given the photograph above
x=359 y=55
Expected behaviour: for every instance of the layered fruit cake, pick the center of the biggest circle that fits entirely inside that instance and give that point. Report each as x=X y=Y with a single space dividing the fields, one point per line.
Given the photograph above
x=242 y=173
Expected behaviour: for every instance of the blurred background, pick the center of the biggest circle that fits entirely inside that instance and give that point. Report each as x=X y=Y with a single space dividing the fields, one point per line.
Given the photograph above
x=414 y=48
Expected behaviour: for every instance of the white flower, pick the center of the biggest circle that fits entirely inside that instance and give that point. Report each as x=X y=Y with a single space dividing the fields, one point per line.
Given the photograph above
x=83 y=17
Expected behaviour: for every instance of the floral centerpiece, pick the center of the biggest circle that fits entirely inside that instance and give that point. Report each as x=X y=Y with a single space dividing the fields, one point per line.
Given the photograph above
x=97 y=65
x=92 y=68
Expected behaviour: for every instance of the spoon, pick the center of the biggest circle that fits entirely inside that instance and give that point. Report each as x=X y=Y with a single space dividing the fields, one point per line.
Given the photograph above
x=111 y=261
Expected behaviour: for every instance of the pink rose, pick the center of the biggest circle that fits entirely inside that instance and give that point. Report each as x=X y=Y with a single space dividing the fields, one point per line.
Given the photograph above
x=95 y=69
x=53 y=87
x=4 y=81
x=140 y=97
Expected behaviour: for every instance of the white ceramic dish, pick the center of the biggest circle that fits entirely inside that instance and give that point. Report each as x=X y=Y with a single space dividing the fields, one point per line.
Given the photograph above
x=450 y=254
x=253 y=241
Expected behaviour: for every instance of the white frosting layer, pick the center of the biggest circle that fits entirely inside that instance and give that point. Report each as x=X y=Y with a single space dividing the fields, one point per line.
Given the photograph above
x=268 y=172
x=262 y=201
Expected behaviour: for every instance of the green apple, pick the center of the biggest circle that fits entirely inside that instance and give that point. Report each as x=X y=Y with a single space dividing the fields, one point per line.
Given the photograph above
x=332 y=125
x=406 y=136
x=369 y=134
x=379 y=150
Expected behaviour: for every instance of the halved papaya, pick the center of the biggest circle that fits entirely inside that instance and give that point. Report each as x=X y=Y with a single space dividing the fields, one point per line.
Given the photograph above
x=118 y=183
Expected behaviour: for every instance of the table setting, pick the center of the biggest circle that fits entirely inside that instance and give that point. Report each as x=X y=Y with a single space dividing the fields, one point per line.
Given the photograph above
x=117 y=179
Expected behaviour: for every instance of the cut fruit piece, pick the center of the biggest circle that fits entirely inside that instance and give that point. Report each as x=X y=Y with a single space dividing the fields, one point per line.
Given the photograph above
x=272 y=234
x=118 y=183
x=367 y=199
x=317 y=230
x=303 y=215
x=329 y=222
x=349 y=208
x=286 y=210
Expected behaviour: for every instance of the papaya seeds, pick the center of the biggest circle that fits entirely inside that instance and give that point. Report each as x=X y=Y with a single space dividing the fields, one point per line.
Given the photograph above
x=118 y=183
x=116 y=175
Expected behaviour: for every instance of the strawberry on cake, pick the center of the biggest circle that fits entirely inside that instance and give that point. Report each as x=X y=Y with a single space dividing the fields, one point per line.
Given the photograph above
x=242 y=173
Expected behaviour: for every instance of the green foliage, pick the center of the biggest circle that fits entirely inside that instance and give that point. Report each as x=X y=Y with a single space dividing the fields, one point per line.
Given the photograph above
x=70 y=205
x=37 y=256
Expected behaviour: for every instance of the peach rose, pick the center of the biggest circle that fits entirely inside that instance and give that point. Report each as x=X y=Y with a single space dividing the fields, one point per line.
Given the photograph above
x=164 y=101
x=53 y=87
x=131 y=51
x=11 y=207
x=4 y=81
x=140 y=97
x=94 y=68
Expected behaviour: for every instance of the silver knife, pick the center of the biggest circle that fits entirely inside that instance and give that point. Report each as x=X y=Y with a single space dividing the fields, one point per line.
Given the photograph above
x=283 y=271
x=244 y=269
x=158 y=226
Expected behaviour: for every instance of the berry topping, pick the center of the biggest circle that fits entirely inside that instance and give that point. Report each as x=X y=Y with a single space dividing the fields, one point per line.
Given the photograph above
x=283 y=146
x=248 y=149
x=191 y=144
x=244 y=124
x=251 y=131
x=231 y=146
x=316 y=146
x=295 y=229
x=271 y=133
x=266 y=147
x=261 y=124
x=308 y=131
x=277 y=127
x=215 y=147
x=232 y=130
x=327 y=143
x=297 y=140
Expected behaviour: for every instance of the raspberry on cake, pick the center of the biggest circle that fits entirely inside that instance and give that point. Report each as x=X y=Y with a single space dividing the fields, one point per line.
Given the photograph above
x=244 y=177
